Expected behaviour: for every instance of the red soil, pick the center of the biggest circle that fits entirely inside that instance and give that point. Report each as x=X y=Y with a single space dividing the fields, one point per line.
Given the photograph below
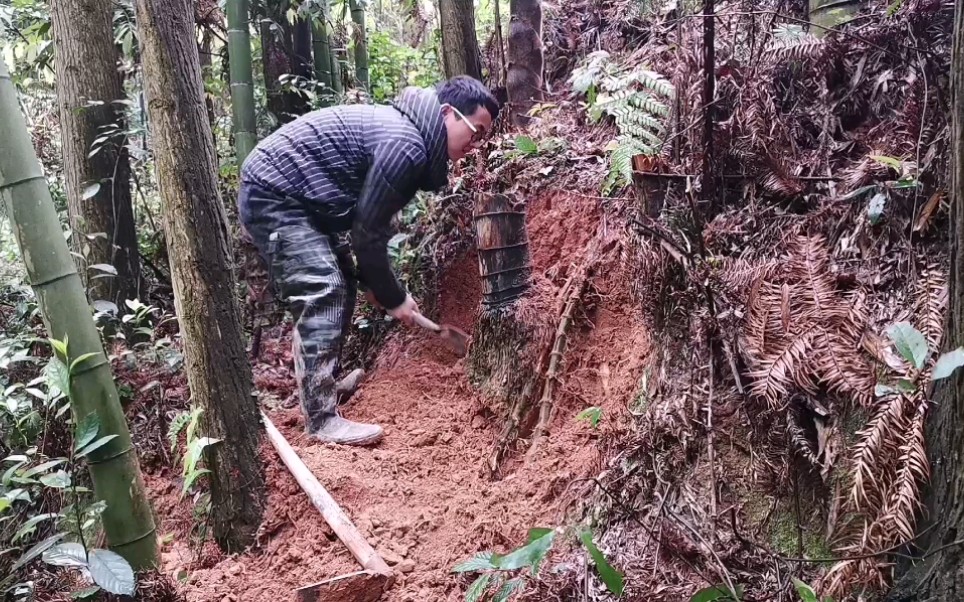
x=423 y=496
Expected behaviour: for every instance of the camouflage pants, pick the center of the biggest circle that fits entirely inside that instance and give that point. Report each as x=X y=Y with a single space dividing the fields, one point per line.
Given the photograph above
x=314 y=274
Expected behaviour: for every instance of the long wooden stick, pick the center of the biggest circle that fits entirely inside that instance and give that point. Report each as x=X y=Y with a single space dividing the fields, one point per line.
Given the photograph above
x=322 y=500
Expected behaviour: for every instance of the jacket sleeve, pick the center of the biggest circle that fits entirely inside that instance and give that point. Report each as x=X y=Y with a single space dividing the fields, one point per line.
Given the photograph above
x=391 y=182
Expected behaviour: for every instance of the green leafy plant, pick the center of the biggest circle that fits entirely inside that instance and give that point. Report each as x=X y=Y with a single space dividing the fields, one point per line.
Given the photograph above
x=28 y=478
x=912 y=345
x=723 y=593
x=591 y=415
x=495 y=569
x=638 y=101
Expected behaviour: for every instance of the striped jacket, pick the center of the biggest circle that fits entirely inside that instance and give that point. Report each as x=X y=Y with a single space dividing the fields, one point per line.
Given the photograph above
x=355 y=166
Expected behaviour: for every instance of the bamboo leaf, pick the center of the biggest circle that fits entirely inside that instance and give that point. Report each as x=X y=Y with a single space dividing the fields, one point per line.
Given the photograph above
x=104 y=267
x=87 y=430
x=37 y=550
x=110 y=571
x=96 y=445
x=478 y=587
x=87 y=592
x=191 y=478
x=610 y=576
x=57 y=480
x=79 y=360
x=948 y=363
x=805 y=592
x=717 y=593
x=42 y=467
x=32 y=522
x=910 y=343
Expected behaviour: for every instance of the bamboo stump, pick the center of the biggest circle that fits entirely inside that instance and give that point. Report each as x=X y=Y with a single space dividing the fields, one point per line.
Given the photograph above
x=510 y=331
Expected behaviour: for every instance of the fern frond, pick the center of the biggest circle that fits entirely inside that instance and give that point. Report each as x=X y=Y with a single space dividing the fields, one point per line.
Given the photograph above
x=781 y=367
x=876 y=441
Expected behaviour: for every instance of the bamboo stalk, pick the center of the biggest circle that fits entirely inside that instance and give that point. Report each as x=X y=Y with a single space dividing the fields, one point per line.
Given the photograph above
x=114 y=469
x=242 y=80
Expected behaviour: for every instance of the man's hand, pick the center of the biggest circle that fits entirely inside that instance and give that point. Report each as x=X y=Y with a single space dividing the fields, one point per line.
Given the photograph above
x=370 y=297
x=406 y=311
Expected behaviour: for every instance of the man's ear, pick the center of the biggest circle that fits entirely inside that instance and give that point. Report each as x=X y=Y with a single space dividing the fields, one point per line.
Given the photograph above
x=446 y=110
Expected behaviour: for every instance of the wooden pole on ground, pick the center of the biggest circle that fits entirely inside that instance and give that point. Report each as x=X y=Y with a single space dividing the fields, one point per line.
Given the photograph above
x=377 y=575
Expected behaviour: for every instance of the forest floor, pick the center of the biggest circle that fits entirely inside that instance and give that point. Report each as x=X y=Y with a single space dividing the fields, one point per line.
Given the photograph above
x=423 y=496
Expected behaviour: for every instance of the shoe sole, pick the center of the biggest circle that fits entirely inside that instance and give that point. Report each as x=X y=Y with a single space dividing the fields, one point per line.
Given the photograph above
x=354 y=442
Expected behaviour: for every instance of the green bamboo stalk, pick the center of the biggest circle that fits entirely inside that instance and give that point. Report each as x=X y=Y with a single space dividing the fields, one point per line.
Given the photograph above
x=114 y=469
x=360 y=44
x=322 y=51
x=242 y=80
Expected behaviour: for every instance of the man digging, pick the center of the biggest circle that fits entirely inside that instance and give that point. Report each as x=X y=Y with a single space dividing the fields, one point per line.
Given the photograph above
x=339 y=173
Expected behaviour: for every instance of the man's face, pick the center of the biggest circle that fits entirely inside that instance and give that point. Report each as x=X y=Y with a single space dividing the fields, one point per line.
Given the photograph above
x=461 y=137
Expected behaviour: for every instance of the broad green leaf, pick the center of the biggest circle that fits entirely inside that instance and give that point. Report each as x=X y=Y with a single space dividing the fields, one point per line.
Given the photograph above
x=506 y=591
x=57 y=376
x=37 y=550
x=910 y=343
x=591 y=415
x=57 y=480
x=79 y=360
x=29 y=526
x=531 y=554
x=43 y=467
x=478 y=587
x=110 y=571
x=5 y=504
x=610 y=576
x=482 y=561
x=717 y=593
x=90 y=191
x=96 y=445
x=87 y=430
x=66 y=554
x=947 y=363
x=805 y=592
x=87 y=592
x=526 y=145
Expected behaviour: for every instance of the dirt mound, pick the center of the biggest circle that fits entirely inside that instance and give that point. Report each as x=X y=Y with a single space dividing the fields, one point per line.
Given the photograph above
x=423 y=497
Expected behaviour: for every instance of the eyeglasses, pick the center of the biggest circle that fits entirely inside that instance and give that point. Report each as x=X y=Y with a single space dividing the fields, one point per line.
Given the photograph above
x=477 y=134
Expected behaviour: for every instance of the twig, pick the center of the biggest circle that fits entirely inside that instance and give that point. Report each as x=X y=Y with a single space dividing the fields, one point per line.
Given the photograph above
x=711 y=451
x=709 y=91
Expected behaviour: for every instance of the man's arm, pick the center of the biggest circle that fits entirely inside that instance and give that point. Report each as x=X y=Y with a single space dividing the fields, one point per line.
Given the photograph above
x=390 y=184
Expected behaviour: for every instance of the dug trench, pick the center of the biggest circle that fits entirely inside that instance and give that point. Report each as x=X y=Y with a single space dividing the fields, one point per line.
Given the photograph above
x=424 y=497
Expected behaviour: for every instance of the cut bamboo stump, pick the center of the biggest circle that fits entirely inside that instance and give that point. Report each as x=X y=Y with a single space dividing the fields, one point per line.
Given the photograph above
x=363 y=586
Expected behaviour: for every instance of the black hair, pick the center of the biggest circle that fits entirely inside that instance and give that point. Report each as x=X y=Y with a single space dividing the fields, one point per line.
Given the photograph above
x=467 y=94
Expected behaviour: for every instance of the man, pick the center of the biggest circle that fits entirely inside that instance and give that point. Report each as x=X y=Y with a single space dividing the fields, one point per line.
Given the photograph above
x=343 y=171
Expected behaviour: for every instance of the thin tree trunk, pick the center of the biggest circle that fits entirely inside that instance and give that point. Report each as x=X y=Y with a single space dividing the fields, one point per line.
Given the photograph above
x=114 y=469
x=941 y=577
x=460 y=45
x=497 y=13
x=526 y=60
x=201 y=268
x=360 y=44
x=242 y=80
x=98 y=185
x=321 y=41
x=301 y=48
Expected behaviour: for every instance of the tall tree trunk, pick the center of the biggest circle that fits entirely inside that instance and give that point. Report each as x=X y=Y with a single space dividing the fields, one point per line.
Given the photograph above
x=941 y=576
x=360 y=45
x=524 y=79
x=460 y=45
x=128 y=521
x=98 y=185
x=242 y=80
x=301 y=48
x=321 y=41
x=202 y=269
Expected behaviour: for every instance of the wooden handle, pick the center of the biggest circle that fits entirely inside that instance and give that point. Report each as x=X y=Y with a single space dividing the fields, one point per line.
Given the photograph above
x=322 y=500
x=426 y=323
